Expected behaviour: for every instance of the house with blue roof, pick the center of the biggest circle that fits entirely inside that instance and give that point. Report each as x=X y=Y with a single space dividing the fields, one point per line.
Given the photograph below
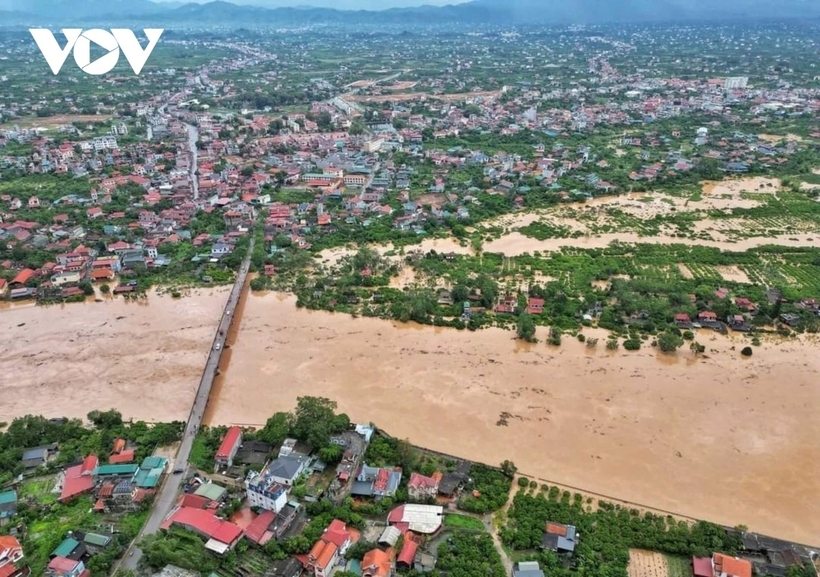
x=559 y=538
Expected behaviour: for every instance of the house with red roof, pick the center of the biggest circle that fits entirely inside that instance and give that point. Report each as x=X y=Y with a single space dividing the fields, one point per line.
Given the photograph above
x=11 y=558
x=745 y=304
x=79 y=479
x=407 y=556
x=377 y=563
x=682 y=319
x=227 y=450
x=330 y=548
x=721 y=565
x=535 y=306
x=120 y=455
x=222 y=535
x=64 y=567
x=420 y=487
x=22 y=278
x=258 y=531
x=707 y=316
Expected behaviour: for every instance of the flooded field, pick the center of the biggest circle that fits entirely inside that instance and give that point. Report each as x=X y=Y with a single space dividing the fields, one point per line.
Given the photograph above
x=143 y=358
x=725 y=438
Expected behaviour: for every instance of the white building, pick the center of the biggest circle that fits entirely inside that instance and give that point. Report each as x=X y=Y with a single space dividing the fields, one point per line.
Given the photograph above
x=263 y=491
x=736 y=82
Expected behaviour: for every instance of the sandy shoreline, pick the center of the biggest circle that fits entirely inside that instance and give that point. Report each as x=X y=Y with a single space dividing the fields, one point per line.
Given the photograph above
x=143 y=358
x=723 y=438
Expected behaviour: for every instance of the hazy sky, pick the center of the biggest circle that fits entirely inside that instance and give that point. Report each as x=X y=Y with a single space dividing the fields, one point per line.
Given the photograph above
x=340 y=4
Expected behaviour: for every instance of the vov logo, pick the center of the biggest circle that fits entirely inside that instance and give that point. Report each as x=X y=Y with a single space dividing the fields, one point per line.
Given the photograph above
x=80 y=41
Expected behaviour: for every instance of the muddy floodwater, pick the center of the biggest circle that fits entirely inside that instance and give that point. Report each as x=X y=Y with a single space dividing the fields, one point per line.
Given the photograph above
x=724 y=438
x=144 y=358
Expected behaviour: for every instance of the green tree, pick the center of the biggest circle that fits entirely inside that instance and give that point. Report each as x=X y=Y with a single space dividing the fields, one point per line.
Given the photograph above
x=276 y=429
x=526 y=327
x=315 y=420
x=669 y=342
x=509 y=469
x=105 y=419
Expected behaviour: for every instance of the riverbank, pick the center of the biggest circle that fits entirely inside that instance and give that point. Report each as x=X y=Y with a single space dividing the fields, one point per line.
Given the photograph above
x=143 y=357
x=723 y=438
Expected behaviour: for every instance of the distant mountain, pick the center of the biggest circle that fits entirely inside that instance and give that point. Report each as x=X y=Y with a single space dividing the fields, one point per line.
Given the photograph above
x=145 y=12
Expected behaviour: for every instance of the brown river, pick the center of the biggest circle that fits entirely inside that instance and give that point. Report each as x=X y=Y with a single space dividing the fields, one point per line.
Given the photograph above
x=724 y=438
x=143 y=358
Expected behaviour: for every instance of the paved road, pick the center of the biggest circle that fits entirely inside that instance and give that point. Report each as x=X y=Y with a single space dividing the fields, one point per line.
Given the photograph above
x=169 y=491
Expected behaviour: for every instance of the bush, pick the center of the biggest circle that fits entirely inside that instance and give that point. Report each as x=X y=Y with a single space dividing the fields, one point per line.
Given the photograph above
x=612 y=345
x=176 y=294
x=688 y=335
x=632 y=344
x=523 y=482
x=746 y=352
x=105 y=289
x=581 y=338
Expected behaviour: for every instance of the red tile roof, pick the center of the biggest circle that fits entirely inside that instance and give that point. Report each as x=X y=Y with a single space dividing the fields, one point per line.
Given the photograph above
x=702 y=566
x=23 y=276
x=382 y=477
x=418 y=481
x=557 y=529
x=78 y=479
x=323 y=553
x=230 y=441
x=61 y=565
x=376 y=563
x=205 y=523
x=259 y=527
x=126 y=456
x=194 y=501
x=731 y=566
x=408 y=552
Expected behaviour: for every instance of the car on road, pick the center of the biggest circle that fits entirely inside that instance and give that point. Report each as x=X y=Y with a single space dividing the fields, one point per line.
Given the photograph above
x=217 y=346
x=178 y=470
x=228 y=313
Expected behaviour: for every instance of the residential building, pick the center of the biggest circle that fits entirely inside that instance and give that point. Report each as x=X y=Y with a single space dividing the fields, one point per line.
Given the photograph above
x=8 y=505
x=64 y=567
x=285 y=470
x=376 y=482
x=421 y=488
x=79 y=479
x=559 y=538
x=377 y=563
x=407 y=557
x=222 y=535
x=330 y=548
x=265 y=491
x=11 y=558
x=227 y=450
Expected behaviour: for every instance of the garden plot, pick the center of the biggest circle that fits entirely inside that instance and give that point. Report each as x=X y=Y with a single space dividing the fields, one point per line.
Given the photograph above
x=647 y=564
x=733 y=274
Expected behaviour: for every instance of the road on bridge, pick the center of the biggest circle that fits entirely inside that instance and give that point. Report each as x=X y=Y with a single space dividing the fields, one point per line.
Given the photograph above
x=169 y=491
